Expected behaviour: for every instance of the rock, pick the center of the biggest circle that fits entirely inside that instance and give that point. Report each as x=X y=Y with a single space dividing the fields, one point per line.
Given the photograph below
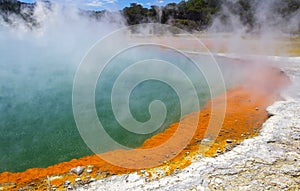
x=218 y=180
x=228 y=147
x=92 y=180
x=160 y=172
x=78 y=170
x=197 y=140
x=89 y=170
x=77 y=180
x=229 y=141
x=295 y=136
x=143 y=171
x=271 y=141
x=206 y=140
x=67 y=183
x=132 y=177
x=32 y=184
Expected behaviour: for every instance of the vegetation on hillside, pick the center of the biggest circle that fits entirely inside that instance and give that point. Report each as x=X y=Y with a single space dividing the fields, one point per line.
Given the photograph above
x=188 y=15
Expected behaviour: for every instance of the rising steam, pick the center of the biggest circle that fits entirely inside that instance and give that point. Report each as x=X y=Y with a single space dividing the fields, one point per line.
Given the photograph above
x=38 y=62
x=255 y=27
x=41 y=53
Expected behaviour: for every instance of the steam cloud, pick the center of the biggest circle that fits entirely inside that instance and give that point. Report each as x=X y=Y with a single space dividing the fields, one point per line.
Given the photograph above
x=264 y=21
x=38 y=63
x=260 y=17
x=41 y=56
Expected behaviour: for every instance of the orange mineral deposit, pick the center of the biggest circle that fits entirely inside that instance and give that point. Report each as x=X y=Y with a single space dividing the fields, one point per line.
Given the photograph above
x=245 y=114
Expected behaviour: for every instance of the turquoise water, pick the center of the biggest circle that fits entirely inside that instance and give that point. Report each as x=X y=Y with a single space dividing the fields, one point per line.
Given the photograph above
x=37 y=123
x=146 y=92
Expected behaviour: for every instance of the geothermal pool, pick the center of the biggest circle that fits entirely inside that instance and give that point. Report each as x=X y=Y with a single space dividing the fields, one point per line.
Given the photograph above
x=36 y=121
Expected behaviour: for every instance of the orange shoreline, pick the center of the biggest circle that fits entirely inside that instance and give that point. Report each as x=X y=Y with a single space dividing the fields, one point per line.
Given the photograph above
x=245 y=114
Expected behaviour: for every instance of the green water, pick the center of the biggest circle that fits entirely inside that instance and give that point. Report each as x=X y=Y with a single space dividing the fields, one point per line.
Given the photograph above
x=37 y=123
x=146 y=92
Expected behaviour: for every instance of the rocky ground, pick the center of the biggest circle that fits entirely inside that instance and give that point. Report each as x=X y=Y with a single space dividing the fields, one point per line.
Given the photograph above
x=270 y=161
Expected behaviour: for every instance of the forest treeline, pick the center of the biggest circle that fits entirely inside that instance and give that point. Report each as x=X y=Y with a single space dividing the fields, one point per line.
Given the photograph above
x=188 y=15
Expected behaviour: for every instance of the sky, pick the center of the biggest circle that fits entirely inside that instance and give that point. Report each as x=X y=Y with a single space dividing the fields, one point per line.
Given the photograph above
x=109 y=4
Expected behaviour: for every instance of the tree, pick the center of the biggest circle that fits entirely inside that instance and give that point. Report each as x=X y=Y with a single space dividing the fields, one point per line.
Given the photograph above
x=135 y=14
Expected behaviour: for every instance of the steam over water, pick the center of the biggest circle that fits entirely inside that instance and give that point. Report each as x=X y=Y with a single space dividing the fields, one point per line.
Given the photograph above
x=37 y=127
x=37 y=124
x=36 y=77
